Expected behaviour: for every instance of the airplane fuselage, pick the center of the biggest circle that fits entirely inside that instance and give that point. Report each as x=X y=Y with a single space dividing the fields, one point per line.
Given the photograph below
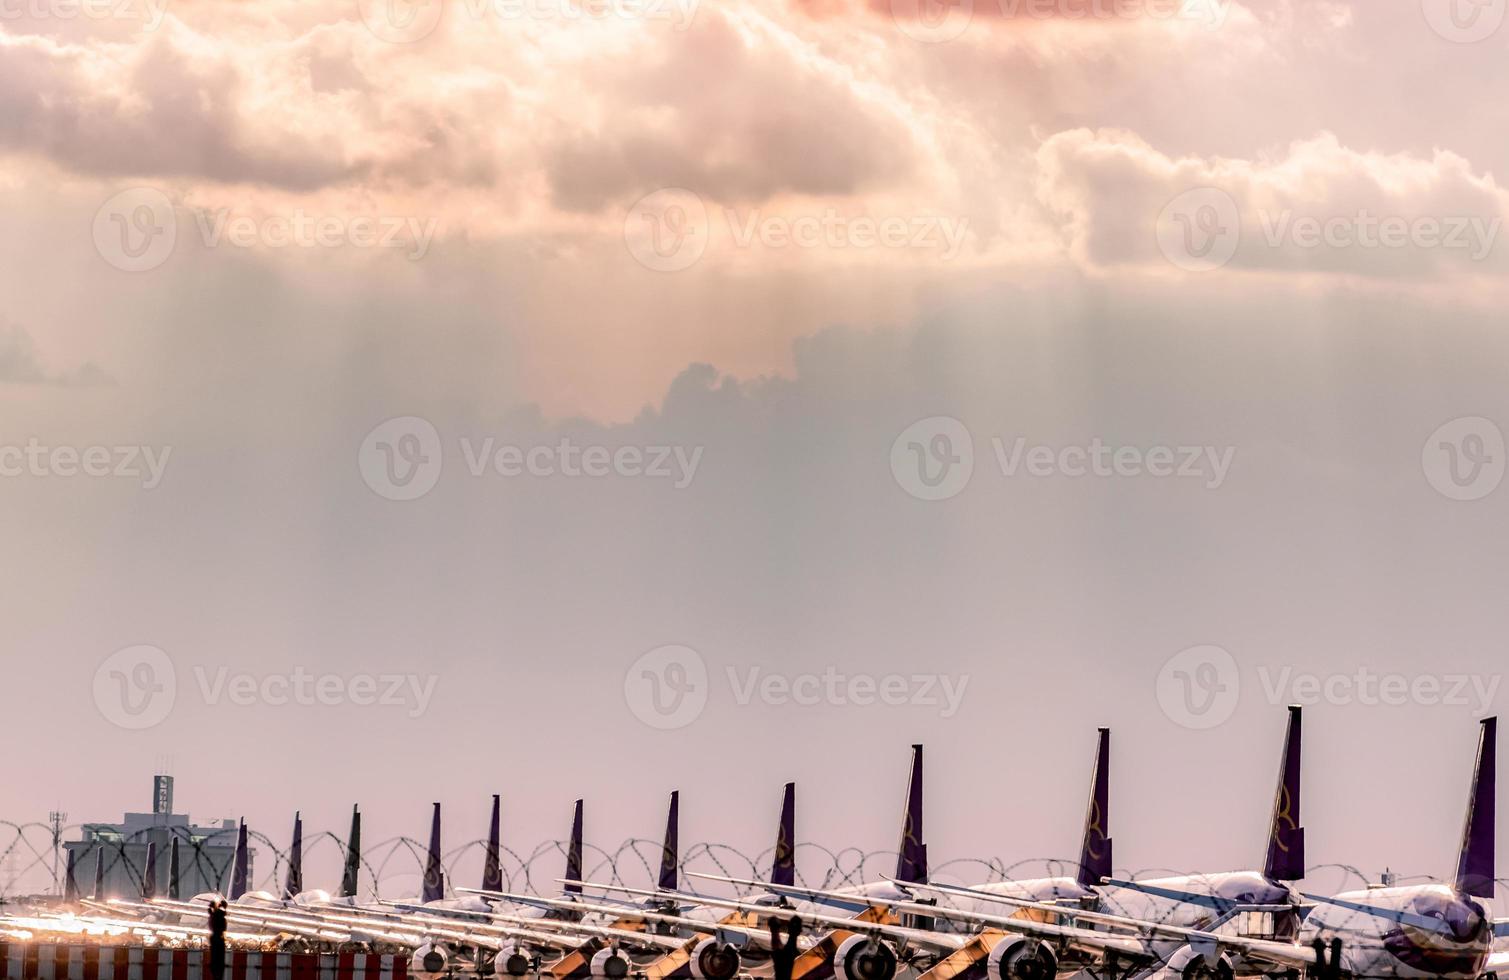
x=1404 y=933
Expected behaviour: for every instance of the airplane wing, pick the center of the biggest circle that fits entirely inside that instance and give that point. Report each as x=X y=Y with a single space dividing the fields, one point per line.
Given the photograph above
x=1422 y=922
x=1136 y=942
x=928 y=939
x=924 y=938
x=1075 y=913
x=407 y=930
x=1124 y=943
x=817 y=896
x=566 y=933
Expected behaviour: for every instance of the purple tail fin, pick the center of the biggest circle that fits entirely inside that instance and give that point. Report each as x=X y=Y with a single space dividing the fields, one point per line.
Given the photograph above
x=492 y=865
x=1095 y=852
x=1475 y=866
x=353 y=856
x=175 y=887
x=70 y=883
x=240 y=867
x=911 y=864
x=99 y=874
x=295 y=883
x=574 y=852
x=149 y=874
x=670 y=850
x=783 y=868
x=1286 y=836
x=434 y=874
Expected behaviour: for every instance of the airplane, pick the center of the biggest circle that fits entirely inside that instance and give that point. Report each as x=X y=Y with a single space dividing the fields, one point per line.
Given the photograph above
x=149 y=873
x=528 y=905
x=464 y=902
x=293 y=885
x=1425 y=930
x=692 y=917
x=1094 y=861
x=1407 y=932
x=860 y=954
x=1203 y=901
x=434 y=929
x=911 y=861
x=436 y=937
x=294 y=894
x=174 y=883
x=481 y=908
x=70 y=882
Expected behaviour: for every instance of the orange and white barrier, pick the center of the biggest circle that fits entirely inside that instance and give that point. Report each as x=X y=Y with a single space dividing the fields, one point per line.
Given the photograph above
x=83 y=961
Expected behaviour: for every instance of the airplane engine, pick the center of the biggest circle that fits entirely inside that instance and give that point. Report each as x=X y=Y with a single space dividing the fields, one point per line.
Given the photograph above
x=611 y=963
x=864 y=958
x=712 y=960
x=1189 y=964
x=1021 y=958
x=511 y=961
x=428 y=962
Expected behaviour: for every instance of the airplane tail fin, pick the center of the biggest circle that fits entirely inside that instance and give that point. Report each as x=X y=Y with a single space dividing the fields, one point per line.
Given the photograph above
x=670 y=850
x=240 y=867
x=295 y=883
x=99 y=874
x=783 y=869
x=574 y=852
x=149 y=873
x=353 y=855
x=1475 y=866
x=434 y=874
x=175 y=887
x=911 y=864
x=1095 y=853
x=492 y=866
x=1286 y=836
x=70 y=883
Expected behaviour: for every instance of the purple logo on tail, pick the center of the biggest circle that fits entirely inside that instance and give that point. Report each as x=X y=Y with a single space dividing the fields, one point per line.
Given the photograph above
x=911 y=865
x=574 y=851
x=1095 y=854
x=492 y=866
x=671 y=847
x=1286 y=838
x=783 y=869
x=1475 y=866
x=434 y=874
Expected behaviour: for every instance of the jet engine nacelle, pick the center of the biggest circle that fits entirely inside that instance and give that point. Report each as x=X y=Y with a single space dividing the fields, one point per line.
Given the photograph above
x=864 y=958
x=1022 y=958
x=429 y=962
x=610 y=963
x=1191 y=964
x=714 y=960
x=511 y=961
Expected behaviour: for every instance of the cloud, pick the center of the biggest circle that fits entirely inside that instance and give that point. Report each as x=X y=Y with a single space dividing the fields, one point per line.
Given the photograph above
x=1315 y=206
x=169 y=106
x=735 y=109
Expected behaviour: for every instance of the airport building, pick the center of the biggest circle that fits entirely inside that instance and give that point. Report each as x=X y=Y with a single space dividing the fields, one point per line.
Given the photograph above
x=204 y=852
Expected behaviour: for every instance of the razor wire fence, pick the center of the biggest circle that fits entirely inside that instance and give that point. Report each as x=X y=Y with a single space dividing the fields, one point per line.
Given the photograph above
x=393 y=869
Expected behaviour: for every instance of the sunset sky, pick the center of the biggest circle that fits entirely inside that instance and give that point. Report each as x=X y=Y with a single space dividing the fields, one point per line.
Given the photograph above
x=799 y=246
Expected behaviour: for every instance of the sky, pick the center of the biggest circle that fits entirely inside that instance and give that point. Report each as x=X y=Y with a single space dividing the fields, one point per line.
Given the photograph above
x=417 y=400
